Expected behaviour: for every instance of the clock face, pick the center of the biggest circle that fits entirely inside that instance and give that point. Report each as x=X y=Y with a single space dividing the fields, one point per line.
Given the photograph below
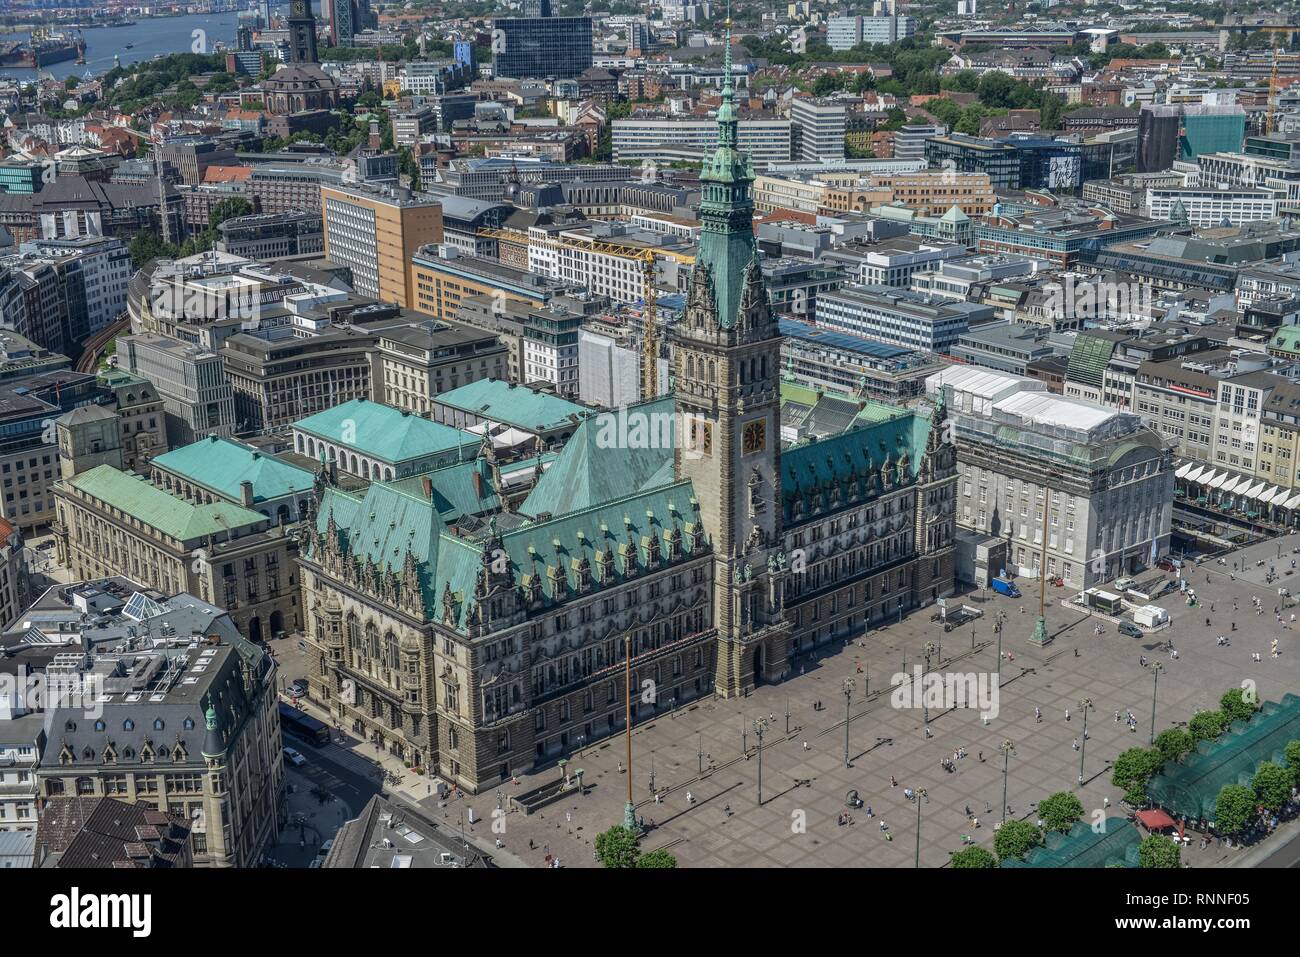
x=755 y=437
x=701 y=437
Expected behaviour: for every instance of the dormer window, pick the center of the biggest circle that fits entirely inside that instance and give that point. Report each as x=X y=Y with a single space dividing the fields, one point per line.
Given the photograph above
x=99 y=725
x=128 y=725
x=158 y=724
x=189 y=724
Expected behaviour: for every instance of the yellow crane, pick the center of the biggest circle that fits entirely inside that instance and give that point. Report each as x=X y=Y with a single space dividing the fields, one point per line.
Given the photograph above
x=1270 y=121
x=646 y=256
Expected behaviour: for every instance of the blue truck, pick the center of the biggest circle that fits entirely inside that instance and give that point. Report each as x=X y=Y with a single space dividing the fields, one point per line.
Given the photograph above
x=1005 y=586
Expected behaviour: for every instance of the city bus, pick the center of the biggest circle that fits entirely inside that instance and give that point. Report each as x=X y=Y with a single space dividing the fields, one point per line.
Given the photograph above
x=303 y=726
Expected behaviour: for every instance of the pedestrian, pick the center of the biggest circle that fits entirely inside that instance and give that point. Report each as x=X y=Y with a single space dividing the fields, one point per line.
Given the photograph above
x=870 y=813
x=1105 y=802
x=893 y=782
x=1076 y=744
x=981 y=757
x=1038 y=715
x=1067 y=714
x=968 y=811
x=1117 y=717
x=690 y=798
x=805 y=745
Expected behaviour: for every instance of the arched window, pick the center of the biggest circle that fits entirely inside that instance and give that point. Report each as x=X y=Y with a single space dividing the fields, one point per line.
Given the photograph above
x=99 y=725
x=128 y=725
x=158 y=724
x=392 y=651
x=189 y=724
x=353 y=632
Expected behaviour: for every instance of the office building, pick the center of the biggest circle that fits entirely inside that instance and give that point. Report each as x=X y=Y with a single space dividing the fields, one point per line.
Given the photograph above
x=898 y=316
x=1086 y=487
x=821 y=126
x=541 y=48
x=375 y=231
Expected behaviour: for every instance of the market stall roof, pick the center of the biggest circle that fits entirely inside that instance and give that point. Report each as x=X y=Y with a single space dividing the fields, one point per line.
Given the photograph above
x=1198 y=474
x=1155 y=819
x=1184 y=470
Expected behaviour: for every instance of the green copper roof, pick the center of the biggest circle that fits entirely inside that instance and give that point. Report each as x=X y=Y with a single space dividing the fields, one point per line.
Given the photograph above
x=167 y=513
x=726 y=208
x=386 y=433
x=222 y=465
x=813 y=467
x=611 y=455
x=512 y=404
x=455 y=493
x=1286 y=339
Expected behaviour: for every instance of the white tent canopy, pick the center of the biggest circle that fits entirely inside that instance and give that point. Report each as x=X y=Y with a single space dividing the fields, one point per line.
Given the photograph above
x=1198 y=474
x=1184 y=470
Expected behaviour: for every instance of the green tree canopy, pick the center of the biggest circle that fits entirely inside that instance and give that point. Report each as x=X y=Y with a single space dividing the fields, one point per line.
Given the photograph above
x=1132 y=769
x=1207 y=725
x=1234 y=808
x=1292 y=752
x=1060 y=811
x=1272 y=784
x=973 y=856
x=618 y=847
x=1156 y=850
x=146 y=246
x=1174 y=743
x=1015 y=839
x=657 y=859
x=1235 y=705
x=229 y=209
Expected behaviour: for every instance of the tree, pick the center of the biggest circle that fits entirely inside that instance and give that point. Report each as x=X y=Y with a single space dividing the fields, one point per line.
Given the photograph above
x=1060 y=811
x=829 y=83
x=1015 y=839
x=1050 y=109
x=617 y=847
x=1174 y=743
x=1272 y=784
x=146 y=246
x=1234 y=808
x=1156 y=850
x=657 y=859
x=1292 y=752
x=973 y=856
x=71 y=83
x=1133 y=768
x=229 y=209
x=1235 y=706
x=1207 y=725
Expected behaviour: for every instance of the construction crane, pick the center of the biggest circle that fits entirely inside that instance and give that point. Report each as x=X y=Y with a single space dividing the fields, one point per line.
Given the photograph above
x=646 y=256
x=1271 y=119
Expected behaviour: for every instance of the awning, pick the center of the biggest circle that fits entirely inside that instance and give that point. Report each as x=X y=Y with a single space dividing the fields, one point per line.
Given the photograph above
x=1184 y=470
x=1256 y=490
x=1198 y=474
x=1278 y=495
x=1155 y=819
x=1218 y=480
x=1292 y=502
x=1233 y=484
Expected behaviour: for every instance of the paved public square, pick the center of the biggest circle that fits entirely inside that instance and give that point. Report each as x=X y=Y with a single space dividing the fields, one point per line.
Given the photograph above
x=805 y=780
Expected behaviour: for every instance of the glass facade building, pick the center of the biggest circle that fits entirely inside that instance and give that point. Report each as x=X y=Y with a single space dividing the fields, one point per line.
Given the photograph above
x=541 y=47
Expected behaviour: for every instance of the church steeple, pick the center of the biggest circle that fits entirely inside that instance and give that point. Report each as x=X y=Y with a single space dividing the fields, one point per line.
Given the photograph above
x=302 y=32
x=726 y=210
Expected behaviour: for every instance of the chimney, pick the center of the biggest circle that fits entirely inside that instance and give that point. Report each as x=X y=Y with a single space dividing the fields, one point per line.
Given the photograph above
x=246 y=494
x=478 y=484
x=428 y=487
x=374 y=135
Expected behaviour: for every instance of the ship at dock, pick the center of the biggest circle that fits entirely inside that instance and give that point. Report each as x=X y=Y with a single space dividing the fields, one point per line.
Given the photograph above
x=45 y=47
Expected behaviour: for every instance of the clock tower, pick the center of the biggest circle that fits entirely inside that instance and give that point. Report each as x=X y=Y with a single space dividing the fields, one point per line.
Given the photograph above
x=727 y=371
x=302 y=32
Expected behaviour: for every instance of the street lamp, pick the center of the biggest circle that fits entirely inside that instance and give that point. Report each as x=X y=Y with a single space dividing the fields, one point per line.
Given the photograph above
x=760 y=726
x=1156 y=668
x=1007 y=749
x=1084 y=704
x=925 y=703
x=921 y=795
x=787 y=714
x=998 y=619
x=700 y=753
x=849 y=684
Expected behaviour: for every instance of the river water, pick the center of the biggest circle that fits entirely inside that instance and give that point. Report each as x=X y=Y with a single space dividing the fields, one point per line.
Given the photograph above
x=149 y=37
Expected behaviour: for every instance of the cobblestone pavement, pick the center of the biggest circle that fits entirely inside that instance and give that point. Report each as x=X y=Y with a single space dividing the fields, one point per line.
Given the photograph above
x=805 y=779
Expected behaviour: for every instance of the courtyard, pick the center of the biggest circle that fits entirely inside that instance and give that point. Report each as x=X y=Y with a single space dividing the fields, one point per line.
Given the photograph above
x=805 y=780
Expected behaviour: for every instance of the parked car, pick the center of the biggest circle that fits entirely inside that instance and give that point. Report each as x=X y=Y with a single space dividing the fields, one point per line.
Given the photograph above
x=1130 y=629
x=294 y=757
x=298 y=687
x=1124 y=584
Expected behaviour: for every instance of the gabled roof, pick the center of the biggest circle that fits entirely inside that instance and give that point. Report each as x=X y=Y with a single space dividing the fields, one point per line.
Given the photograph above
x=610 y=455
x=511 y=404
x=167 y=513
x=223 y=465
x=384 y=432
